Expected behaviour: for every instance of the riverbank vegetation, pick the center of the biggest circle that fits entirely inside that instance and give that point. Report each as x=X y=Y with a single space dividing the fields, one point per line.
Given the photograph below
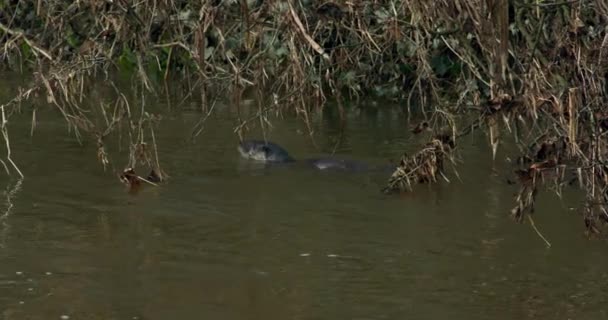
x=532 y=69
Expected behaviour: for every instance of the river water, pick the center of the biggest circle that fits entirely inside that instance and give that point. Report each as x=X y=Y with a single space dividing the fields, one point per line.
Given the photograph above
x=223 y=239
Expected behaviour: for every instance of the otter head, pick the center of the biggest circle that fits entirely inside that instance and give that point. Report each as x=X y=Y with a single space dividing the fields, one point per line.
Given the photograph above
x=263 y=151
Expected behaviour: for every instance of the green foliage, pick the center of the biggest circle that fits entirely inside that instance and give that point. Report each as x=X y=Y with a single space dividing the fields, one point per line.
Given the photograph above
x=349 y=80
x=445 y=66
x=127 y=61
x=406 y=69
x=72 y=38
x=26 y=51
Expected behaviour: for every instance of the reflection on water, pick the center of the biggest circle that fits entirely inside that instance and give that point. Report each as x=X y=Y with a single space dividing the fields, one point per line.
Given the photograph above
x=227 y=240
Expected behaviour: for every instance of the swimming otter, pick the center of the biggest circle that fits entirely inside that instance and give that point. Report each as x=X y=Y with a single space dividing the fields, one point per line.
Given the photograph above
x=267 y=151
x=263 y=151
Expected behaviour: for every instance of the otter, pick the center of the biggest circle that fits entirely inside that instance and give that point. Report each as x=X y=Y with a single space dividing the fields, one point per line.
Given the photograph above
x=265 y=151
x=270 y=152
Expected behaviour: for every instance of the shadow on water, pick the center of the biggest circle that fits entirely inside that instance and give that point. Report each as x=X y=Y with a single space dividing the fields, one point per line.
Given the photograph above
x=230 y=239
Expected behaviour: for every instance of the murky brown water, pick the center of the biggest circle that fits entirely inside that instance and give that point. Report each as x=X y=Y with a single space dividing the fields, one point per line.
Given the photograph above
x=222 y=240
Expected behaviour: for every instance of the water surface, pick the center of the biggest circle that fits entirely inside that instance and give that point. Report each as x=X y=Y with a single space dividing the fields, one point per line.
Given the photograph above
x=223 y=239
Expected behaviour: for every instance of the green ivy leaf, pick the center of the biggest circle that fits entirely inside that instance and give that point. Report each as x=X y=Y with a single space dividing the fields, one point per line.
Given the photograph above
x=127 y=60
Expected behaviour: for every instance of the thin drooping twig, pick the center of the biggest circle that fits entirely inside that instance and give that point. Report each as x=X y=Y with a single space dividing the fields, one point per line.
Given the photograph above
x=4 y=129
x=303 y=32
x=537 y=231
